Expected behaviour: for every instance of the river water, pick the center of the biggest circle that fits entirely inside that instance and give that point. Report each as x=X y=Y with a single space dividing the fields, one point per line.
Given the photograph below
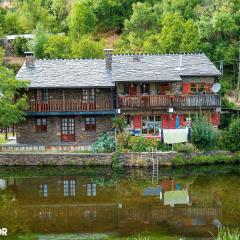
x=96 y=203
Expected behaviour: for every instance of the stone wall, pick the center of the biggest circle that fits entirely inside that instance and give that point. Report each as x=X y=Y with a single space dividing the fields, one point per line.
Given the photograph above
x=26 y=131
x=84 y=159
x=135 y=159
x=33 y=159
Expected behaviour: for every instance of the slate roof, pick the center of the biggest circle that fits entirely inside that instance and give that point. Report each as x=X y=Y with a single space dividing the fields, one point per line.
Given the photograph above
x=67 y=73
x=93 y=72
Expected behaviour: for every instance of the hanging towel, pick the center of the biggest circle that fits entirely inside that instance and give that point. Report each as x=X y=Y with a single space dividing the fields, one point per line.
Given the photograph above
x=171 y=136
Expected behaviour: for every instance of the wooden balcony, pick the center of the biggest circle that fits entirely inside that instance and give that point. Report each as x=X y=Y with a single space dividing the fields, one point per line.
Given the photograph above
x=70 y=105
x=165 y=101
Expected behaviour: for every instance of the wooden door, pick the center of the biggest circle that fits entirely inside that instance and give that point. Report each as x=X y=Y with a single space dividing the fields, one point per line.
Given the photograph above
x=165 y=88
x=133 y=90
x=68 y=129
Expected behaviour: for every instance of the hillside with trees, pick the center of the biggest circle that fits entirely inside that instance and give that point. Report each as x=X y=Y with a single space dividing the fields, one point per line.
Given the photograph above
x=153 y=26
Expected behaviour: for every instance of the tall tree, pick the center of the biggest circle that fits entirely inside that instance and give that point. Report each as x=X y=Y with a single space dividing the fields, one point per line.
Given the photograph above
x=12 y=103
x=82 y=20
x=33 y=12
x=41 y=39
x=87 y=48
x=57 y=46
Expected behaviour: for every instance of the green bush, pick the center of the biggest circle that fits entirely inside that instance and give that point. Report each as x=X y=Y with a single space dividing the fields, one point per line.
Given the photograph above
x=203 y=136
x=222 y=140
x=206 y=159
x=142 y=144
x=123 y=141
x=233 y=136
x=116 y=161
x=105 y=143
x=119 y=123
x=184 y=148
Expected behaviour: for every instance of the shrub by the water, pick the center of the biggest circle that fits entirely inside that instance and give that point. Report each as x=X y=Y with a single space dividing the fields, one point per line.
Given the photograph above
x=116 y=161
x=226 y=234
x=184 y=148
x=105 y=143
x=203 y=136
x=142 y=144
x=206 y=159
x=233 y=136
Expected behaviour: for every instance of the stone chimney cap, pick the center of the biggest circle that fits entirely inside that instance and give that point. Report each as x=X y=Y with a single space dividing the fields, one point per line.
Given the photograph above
x=29 y=59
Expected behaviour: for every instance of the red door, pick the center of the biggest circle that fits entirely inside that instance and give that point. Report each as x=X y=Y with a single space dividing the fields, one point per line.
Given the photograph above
x=137 y=122
x=133 y=90
x=68 y=129
x=165 y=88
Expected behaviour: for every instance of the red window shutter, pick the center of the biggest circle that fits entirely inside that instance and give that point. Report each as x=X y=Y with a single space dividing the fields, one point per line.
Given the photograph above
x=186 y=88
x=137 y=121
x=215 y=117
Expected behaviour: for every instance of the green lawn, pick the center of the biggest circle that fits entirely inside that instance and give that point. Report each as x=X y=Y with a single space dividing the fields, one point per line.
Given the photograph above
x=2 y=138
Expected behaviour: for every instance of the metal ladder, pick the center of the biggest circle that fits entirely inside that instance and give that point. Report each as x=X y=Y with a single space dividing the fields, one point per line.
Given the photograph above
x=154 y=168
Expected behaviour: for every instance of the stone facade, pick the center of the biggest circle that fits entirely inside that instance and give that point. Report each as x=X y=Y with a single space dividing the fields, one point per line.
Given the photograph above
x=27 y=134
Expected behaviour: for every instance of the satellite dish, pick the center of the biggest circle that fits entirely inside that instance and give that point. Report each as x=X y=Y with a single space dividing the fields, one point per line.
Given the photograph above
x=216 y=87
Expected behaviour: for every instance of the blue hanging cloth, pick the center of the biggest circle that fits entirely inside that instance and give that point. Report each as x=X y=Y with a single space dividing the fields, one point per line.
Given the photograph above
x=177 y=122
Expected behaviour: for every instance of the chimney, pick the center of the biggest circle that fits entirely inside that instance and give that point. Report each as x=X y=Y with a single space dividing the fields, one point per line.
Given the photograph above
x=108 y=58
x=29 y=59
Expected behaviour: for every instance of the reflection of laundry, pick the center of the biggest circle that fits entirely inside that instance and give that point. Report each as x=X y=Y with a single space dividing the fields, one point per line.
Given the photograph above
x=3 y=184
x=176 y=197
x=152 y=191
x=171 y=136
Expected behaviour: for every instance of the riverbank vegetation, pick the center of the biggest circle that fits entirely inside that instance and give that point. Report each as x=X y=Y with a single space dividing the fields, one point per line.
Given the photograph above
x=227 y=234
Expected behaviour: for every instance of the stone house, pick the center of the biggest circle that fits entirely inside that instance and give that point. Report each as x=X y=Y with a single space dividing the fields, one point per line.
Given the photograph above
x=75 y=100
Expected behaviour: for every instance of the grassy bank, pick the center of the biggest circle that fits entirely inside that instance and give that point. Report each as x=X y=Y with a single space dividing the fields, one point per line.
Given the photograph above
x=187 y=159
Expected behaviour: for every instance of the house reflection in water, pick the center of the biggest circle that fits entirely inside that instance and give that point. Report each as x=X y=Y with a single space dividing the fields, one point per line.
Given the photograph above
x=78 y=204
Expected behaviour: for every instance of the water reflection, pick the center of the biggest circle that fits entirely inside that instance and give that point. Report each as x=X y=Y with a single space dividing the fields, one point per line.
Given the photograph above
x=188 y=202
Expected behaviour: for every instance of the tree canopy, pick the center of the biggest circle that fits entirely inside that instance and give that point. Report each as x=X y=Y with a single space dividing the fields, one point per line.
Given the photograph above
x=12 y=103
x=210 y=26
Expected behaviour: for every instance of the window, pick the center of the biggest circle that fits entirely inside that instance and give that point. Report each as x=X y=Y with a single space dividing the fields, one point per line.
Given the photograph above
x=90 y=123
x=197 y=87
x=92 y=94
x=42 y=95
x=151 y=124
x=69 y=187
x=144 y=125
x=41 y=125
x=88 y=94
x=145 y=89
x=126 y=89
x=43 y=190
x=45 y=95
x=91 y=189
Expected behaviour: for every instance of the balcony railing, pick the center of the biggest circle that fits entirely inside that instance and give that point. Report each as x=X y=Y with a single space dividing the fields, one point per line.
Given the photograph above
x=70 y=105
x=163 y=101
